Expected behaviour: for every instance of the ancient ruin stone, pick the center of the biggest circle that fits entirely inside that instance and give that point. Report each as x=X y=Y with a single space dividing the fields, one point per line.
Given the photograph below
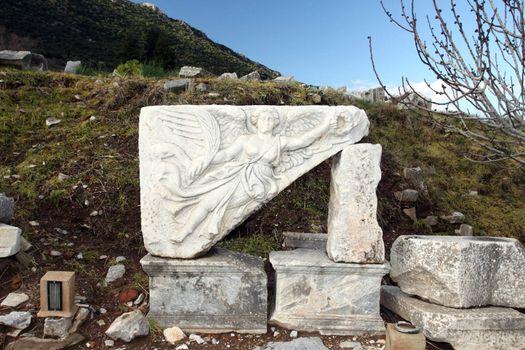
x=460 y=271
x=205 y=169
x=354 y=234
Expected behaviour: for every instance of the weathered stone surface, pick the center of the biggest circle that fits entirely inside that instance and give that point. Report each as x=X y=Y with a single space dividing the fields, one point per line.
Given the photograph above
x=205 y=169
x=353 y=232
x=455 y=217
x=73 y=67
x=81 y=315
x=34 y=343
x=173 y=334
x=220 y=292
x=14 y=299
x=411 y=213
x=305 y=240
x=407 y=195
x=115 y=272
x=315 y=294
x=128 y=326
x=310 y=343
x=7 y=208
x=20 y=59
x=177 y=85
x=16 y=319
x=9 y=240
x=52 y=121
x=416 y=178
x=460 y=271
x=488 y=328
x=231 y=76
x=287 y=79
x=194 y=72
x=57 y=327
x=253 y=76
x=465 y=230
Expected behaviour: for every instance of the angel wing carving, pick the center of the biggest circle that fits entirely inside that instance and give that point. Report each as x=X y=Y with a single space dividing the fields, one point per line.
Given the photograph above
x=190 y=134
x=297 y=124
x=232 y=124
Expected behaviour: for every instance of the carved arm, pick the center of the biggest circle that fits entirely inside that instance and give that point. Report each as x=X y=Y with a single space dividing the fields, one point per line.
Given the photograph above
x=305 y=140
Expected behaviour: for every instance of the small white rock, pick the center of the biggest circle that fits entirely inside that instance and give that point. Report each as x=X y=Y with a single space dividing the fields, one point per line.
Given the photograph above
x=120 y=258
x=139 y=299
x=173 y=334
x=276 y=333
x=115 y=272
x=109 y=343
x=52 y=121
x=293 y=334
x=215 y=341
x=182 y=347
x=196 y=338
x=55 y=253
x=101 y=323
x=14 y=299
x=16 y=319
x=34 y=223
x=128 y=326
x=102 y=257
x=94 y=213
x=102 y=311
x=79 y=256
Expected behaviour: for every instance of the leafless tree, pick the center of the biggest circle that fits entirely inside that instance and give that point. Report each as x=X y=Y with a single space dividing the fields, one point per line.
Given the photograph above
x=480 y=62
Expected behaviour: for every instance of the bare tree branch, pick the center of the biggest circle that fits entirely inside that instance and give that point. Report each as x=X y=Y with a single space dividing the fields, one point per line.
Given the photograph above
x=481 y=65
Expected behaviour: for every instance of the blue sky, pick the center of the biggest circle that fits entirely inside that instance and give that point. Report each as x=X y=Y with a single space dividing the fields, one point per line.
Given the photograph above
x=318 y=42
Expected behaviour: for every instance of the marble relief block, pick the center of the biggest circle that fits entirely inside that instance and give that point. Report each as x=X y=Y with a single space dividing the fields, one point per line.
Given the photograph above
x=315 y=294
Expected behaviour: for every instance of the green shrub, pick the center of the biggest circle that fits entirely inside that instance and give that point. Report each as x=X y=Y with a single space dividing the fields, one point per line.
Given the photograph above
x=130 y=68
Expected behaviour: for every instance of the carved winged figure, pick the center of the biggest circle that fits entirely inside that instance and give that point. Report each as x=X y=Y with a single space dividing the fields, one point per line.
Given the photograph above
x=214 y=165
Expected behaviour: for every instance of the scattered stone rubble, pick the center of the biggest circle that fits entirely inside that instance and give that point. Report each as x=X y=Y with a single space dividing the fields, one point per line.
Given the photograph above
x=128 y=326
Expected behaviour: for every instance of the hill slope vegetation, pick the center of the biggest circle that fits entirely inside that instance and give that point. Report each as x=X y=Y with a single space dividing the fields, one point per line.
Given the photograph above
x=105 y=33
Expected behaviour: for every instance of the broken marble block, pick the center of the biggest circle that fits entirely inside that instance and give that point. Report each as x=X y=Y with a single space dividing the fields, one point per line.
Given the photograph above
x=205 y=169
x=220 y=292
x=460 y=272
x=354 y=235
x=315 y=294
x=486 y=328
x=9 y=240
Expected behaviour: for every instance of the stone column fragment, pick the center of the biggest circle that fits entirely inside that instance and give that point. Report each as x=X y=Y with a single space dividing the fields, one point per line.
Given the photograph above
x=354 y=235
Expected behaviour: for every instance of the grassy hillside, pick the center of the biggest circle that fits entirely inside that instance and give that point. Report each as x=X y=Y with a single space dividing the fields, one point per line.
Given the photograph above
x=95 y=145
x=79 y=180
x=104 y=33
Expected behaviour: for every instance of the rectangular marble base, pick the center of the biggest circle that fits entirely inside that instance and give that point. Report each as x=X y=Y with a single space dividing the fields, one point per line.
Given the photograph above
x=315 y=294
x=484 y=328
x=220 y=292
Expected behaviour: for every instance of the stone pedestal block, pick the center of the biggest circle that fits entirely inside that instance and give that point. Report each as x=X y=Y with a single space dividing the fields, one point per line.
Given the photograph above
x=460 y=271
x=220 y=292
x=315 y=294
x=354 y=236
x=487 y=328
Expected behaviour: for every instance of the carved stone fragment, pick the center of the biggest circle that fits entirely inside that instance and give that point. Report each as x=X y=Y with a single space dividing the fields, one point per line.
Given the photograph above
x=353 y=232
x=205 y=169
x=460 y=271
